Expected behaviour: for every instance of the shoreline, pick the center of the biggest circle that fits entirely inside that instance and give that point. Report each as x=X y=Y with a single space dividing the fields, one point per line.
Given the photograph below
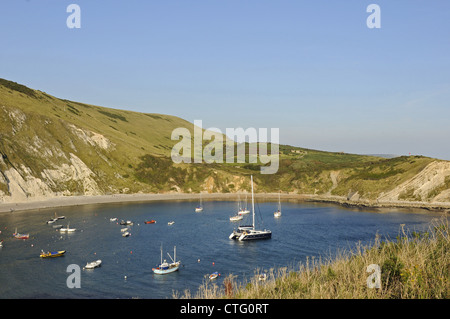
x=66 y=201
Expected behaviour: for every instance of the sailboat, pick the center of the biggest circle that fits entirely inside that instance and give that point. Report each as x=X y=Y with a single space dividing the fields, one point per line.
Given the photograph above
x=278 y=212
x=238 y=216
x=199 y=208
x=244 y=233
x=243 y=211
x=164 y=267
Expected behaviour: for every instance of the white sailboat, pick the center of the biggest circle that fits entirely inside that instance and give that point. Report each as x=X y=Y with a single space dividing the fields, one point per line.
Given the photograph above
x=199 y=208
x=278 y=212
x=242 y=210
x=244 y=233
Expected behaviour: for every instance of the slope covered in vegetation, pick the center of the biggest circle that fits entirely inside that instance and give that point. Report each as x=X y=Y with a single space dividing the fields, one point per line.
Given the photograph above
x=55 y=147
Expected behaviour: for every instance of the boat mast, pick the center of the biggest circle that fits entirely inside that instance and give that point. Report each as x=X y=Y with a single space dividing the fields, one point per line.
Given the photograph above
x=253 y=203
x=246 y=200
x=279 y=201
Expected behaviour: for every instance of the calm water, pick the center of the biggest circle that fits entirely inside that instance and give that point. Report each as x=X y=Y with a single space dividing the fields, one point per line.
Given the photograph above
x=303 y=230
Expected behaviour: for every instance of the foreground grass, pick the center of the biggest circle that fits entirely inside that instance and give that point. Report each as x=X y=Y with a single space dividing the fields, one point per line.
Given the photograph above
x=416 y=265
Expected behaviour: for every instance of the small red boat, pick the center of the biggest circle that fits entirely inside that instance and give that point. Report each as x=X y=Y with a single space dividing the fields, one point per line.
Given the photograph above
x=150 y=221
x=20 y=236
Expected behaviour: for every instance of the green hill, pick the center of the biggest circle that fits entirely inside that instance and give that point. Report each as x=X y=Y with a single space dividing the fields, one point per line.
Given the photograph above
x=55 y=147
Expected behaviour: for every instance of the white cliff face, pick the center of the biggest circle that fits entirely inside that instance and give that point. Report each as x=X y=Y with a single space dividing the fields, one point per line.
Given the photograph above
x=17 y=118
x=77 y=171
x=36 y=165
x=92 y=138
x=22 y=185
x=423 y=184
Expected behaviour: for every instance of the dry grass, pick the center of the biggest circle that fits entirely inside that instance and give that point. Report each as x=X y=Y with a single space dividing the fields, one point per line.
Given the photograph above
x=415 y=265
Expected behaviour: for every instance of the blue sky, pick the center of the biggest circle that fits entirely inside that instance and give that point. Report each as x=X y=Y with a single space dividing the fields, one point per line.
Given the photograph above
x=313 y=69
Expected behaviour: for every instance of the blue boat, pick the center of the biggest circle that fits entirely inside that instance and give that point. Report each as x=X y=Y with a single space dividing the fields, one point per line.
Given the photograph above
x=52 y=254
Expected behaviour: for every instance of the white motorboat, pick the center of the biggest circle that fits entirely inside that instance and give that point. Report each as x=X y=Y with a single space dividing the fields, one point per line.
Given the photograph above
x=126 y=234
x=171 y=223
x=128 y=222
x=262 y=277
x=93 y=264
x=236 y=218
x=214 y=275
x=51 y=221
x=67 y=229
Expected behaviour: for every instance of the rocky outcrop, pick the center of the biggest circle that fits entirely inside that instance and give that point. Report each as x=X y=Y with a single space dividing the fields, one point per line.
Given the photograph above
x=428 y=185
x=35 y=164
x=92 y=138
x=23 y=185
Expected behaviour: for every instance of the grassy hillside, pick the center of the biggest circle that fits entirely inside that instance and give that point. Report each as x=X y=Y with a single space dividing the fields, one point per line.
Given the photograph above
x=53 y=146
x=39 y=131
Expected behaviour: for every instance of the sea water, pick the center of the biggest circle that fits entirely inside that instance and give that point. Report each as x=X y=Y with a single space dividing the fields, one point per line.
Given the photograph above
x=201 y=239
